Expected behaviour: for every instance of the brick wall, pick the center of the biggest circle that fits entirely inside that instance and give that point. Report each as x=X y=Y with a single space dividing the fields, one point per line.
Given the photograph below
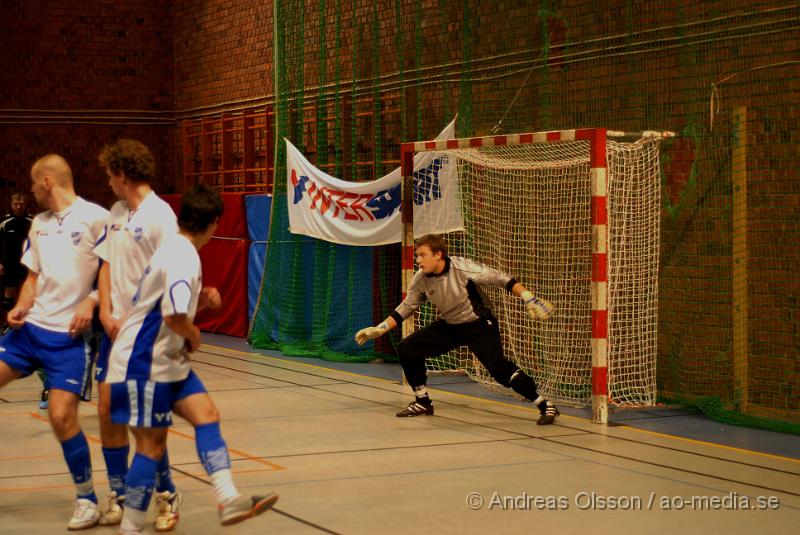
x=223 y=52
x=80 y=145
x=627 y=66
x=78 y=75
x=773 y=223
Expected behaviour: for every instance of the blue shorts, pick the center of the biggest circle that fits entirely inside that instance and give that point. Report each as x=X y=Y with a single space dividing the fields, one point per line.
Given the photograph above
x=101 y=367
x=149 y=404
x=66 y=360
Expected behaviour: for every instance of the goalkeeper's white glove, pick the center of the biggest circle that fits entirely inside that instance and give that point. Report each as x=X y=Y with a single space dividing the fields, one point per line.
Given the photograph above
x=371 y=333
x=538 y=308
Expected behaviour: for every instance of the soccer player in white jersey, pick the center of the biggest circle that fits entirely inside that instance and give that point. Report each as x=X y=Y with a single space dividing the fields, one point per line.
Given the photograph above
x=54 y=308
x=138 y=224
x=465 y=319
x=150 y=368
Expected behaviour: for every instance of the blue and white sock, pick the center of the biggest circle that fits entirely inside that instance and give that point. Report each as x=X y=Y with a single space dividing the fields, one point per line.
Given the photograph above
x=213 y=454
x=79 y=461
x=117 y=466
x=163 y=476
x=139 y=489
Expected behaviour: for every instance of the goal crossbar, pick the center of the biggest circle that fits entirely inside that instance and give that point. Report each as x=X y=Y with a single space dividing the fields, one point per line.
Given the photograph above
x=598 y=185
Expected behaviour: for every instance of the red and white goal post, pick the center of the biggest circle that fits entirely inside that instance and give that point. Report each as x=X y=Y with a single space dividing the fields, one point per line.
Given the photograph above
x=575 y=216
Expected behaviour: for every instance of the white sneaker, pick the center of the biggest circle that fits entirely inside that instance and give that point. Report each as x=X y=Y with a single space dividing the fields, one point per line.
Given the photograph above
x=85 y=515
x=127 y=527
x=114 y=511
x=167 y=515
x=243 y=507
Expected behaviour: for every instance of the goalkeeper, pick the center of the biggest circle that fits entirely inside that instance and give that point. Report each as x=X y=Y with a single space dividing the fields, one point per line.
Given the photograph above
x=451 y=283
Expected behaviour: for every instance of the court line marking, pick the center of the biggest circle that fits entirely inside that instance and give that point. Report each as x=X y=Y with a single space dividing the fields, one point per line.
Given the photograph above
x=101 y=482
x=89 y=437
x=316 y=366
x=509 y=405
x=598 y=451
x=29 y=457
x=246 y=456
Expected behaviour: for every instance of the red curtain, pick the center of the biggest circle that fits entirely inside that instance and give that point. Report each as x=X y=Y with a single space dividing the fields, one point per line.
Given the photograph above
x=224 y=261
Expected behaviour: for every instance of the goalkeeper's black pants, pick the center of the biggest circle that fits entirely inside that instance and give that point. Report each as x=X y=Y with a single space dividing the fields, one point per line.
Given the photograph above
x=482 y=337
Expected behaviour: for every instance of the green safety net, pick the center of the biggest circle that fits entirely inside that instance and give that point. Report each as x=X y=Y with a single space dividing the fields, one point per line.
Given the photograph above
x=355 y=79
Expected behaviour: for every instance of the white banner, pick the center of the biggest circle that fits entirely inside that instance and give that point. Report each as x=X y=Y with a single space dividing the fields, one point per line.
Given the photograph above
x=368 y=213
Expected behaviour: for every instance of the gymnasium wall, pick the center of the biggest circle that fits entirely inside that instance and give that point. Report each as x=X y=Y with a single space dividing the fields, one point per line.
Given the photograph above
x=356 y=78
x=77 y=75
x=223 y=53
x=361 y=76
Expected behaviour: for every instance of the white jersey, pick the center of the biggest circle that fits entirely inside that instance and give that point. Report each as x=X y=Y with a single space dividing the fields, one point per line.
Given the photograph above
x=60 y=249
x=145 y=348
x=132 y=236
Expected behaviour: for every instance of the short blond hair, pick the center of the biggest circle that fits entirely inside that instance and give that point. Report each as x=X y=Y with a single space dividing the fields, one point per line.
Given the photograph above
x=56 y=167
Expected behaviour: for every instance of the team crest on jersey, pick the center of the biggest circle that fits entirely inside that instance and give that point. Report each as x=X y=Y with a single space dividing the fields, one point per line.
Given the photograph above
x=41 y=233
x=138 y=232
x=116 y=226
x=76 y=237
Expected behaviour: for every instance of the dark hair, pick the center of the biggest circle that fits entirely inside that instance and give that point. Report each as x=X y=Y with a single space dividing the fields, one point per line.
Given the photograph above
x=130 y=157
x=200 y=206
x=435 y=242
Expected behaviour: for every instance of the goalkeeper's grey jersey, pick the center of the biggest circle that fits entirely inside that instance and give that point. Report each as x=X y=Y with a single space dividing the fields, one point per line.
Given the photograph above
x=454 y=291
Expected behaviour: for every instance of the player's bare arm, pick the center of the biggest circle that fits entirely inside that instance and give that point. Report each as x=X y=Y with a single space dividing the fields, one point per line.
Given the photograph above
x=107 y=319
x=182 y=326
x=16 y=316
x=83 y=315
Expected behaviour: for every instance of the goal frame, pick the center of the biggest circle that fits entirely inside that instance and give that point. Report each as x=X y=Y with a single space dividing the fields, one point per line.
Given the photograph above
x=597 y=138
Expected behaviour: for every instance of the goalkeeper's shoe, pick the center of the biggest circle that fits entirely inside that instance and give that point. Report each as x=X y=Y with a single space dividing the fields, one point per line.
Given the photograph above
x=415 y=408
x=549 y=413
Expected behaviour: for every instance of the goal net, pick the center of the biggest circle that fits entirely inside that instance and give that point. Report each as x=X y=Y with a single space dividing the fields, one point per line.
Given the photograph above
x=579 y=228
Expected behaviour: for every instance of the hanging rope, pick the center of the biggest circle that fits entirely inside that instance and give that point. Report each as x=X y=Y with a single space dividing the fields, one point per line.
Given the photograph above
x=496 y=127
x=714 y=99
